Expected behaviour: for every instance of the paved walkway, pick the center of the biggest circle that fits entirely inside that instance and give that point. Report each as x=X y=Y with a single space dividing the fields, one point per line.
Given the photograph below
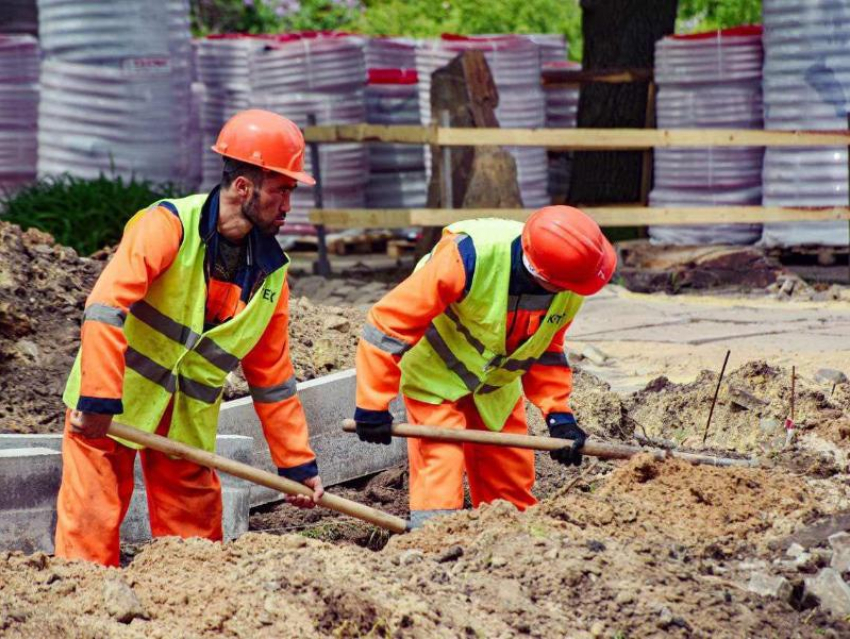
x=645 y=336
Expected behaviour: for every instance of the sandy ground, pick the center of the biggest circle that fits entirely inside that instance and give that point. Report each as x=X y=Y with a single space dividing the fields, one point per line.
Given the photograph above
x=627 y=549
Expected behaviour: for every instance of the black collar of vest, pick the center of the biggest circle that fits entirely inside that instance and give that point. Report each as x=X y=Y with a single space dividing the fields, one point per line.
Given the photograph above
x=264 y=251
x=522 y=282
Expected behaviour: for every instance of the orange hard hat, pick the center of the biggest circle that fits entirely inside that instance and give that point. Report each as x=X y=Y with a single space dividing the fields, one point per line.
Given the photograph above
x=566 y=248
x=264 y=139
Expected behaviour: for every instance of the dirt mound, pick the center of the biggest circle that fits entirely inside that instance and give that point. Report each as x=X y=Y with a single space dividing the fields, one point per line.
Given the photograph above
x=43 y=288
x=323 y=338
x=650 y=549
x=749 y=417
x=727 y=508
x=491 y=572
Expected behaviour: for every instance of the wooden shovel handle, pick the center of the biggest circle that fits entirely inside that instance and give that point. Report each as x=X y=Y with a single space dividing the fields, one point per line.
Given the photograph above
x=257 y=476
x=594 y=449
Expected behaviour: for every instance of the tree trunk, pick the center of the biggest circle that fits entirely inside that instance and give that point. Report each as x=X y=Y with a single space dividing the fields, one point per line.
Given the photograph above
x=617 y=34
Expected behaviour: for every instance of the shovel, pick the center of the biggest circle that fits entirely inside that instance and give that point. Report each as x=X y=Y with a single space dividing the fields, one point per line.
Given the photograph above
x=257 y=476
x=594 y=449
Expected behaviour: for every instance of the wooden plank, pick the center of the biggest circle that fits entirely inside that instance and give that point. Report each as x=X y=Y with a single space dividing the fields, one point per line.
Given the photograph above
x=402 y=134
x=605 y=216
x=559 y=78
x=636 y=139
x=399 y=248
x=579 y=139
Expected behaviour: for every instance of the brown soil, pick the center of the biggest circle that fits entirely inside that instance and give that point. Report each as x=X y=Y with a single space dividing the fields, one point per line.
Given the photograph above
x=749 y=416
x=612 y=558
x=43 y=288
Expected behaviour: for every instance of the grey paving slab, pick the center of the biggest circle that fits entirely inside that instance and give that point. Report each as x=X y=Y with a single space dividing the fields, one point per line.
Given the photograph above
x=28 y=530
x=29 y=483
x=51 y=441
x=29 y=477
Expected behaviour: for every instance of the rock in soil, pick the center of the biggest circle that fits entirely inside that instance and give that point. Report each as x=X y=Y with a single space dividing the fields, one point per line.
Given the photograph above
x=831 y=591
x=121 y=602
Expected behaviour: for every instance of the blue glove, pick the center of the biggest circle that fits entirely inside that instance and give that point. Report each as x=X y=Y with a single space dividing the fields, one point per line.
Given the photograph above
x=564 y=426
x=374 y=426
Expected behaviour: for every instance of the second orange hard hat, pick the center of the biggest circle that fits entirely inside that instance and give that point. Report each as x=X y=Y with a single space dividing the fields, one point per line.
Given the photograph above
x=566 y=248
x=265 y=139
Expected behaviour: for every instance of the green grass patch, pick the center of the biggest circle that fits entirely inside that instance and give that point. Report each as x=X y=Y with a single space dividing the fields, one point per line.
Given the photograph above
x=84 y=214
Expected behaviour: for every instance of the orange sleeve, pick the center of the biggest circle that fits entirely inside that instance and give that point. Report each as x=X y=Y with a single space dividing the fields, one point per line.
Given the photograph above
x=549 y=382
x=271 y=380
x=148 y=247
x=399 y=320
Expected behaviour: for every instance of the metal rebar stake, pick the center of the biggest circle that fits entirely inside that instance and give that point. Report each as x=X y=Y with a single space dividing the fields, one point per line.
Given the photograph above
x=322 y=265
x=716 y=392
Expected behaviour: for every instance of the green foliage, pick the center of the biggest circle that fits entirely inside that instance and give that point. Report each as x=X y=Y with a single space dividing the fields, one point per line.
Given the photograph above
x=412 y=18
x=430 y=18
x=706 y=15
x=270 y=16
x=84 y=214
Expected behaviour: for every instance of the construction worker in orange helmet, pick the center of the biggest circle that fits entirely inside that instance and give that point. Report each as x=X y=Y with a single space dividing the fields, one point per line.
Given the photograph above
x=479 y=324
x=197 y=285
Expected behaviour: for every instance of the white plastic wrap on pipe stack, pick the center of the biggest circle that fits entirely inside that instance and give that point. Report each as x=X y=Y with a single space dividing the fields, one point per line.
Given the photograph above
x=553 y=46
x=561 y=113
x=396 y=171
x=390 y=53
x=325 y=75
x=187 y=109
x=706 y=81
x=112 y=99
x=19 y=59
x=223 y=65
x=19 y=17
x=515 y=64
x=806 y=87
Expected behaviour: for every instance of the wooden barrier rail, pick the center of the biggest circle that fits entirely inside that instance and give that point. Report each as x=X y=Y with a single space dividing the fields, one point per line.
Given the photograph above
x=577 y=140
x=573 y=139
x=604 y=216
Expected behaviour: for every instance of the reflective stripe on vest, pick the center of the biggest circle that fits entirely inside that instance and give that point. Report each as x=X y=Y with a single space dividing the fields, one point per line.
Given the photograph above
x=384 y=342
x=161 y=376
x=276 y=393
x=105 y=314
x=203 y=346
x=453 y=363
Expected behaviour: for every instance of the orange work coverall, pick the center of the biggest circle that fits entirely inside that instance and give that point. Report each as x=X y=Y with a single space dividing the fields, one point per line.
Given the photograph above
x=437 y=468
x=184 y=499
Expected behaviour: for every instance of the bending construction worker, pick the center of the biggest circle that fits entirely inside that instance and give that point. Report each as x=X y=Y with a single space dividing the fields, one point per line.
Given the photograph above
x=480 y=321
x=196 y=286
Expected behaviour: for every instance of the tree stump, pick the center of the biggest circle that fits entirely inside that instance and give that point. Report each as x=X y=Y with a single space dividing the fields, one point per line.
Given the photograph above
x=481 y=177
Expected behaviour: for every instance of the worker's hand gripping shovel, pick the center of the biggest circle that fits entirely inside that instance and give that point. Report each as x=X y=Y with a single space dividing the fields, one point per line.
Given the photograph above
x=594 y=449
x=257 y=476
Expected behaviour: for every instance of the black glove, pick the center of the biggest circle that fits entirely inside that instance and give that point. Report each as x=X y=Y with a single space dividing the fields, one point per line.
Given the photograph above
x=564 y=426
x=374 y=426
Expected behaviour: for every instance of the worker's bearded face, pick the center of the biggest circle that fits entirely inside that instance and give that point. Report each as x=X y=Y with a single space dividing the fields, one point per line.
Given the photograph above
x=268 y=205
